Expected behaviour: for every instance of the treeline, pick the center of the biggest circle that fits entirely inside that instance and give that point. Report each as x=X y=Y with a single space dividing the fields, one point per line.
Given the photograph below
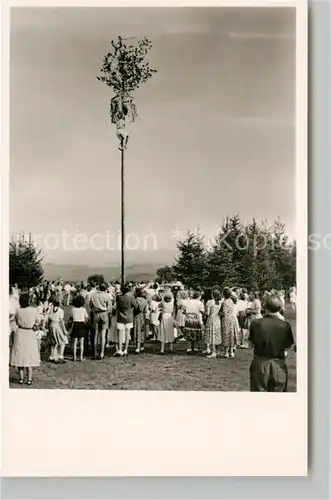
x=251 y=255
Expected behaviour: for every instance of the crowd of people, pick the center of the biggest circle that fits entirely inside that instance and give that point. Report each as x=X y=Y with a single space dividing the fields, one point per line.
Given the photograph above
x=214 y=322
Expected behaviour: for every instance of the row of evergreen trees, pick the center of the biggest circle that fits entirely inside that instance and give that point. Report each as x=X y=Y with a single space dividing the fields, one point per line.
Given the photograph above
x=256 y=256
x=253 y=255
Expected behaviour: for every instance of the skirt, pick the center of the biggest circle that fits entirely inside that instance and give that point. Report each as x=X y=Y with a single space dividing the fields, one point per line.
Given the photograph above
x=139 y=328
x=180 y=319
x=193 y=327
x=112 y=333
x=56 y=334
x=213 y=330
x=79 y=330
x=242 y=319
x=230 y=330
x=25 y=351
x=166 y=330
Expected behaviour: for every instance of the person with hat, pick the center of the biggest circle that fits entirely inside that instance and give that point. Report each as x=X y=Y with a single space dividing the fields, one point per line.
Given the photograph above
x=270 y=337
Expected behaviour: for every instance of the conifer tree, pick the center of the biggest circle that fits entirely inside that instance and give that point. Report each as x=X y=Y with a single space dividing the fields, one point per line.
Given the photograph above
x=25 y=263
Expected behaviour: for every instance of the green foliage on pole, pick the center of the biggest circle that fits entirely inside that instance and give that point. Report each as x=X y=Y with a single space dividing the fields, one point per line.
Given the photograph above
x=125 y=67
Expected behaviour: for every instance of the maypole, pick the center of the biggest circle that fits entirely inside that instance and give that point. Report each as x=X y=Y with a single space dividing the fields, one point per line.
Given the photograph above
x=124 y=69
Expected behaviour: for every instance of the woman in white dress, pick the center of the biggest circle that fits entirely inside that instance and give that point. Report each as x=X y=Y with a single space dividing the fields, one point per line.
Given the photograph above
x=256 y=306
x=182 y=300
x=166 y=329
x=25 y=352
x=154 y=316
x=58 y=335
x=213 y=337
x=293 y=298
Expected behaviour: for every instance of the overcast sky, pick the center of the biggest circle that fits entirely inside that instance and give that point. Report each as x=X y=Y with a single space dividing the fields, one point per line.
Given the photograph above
x=215 y=133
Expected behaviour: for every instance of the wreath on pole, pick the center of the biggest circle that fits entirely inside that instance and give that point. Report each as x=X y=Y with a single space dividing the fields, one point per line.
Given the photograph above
x=124 y=69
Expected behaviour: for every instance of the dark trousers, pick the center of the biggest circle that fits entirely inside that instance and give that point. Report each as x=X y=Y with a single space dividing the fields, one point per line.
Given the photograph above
x=268 y=375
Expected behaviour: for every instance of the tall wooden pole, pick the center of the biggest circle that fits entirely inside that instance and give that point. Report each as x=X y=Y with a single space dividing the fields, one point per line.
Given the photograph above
x=122 y=214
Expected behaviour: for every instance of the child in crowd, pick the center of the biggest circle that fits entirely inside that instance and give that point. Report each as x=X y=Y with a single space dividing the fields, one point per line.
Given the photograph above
x=78 y=319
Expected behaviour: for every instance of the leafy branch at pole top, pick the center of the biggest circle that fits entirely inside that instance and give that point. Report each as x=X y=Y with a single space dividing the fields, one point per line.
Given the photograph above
x=125 y=67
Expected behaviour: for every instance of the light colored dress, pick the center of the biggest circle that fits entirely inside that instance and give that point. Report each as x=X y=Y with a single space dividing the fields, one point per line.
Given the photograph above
x=154 y=313
x=182 y=303
x=13 y=308
x=25 y=350
x=256 y=309
x=57 y=336
x=229 y=323
x=166 y=330
x=213 y=324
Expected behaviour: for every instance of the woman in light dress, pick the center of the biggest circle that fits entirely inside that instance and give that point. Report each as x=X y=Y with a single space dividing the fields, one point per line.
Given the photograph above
x=193 y=310
x=40 y=330
x=14 y=304
x=25 y=352
x=58 y=335
x=229 y=324
x=166 y=329
x=182 y=299
x=255 y=306
x=154 y=316
x=213 y=335
x=293 y=298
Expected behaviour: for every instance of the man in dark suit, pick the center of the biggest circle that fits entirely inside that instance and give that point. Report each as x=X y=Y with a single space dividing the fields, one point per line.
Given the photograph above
x=270 y=337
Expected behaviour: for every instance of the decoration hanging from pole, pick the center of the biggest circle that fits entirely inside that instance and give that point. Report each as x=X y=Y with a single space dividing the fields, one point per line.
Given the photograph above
x=124 y=69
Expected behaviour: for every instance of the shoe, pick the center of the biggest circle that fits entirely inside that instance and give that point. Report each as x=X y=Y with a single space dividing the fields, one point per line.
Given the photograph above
x=125 y=353
x=207 y=351
x=137 y=351
x=213 y=355
x=142 y=349
x=226 y=355
x=29 y=382
x=21 y=381
x=188 y=351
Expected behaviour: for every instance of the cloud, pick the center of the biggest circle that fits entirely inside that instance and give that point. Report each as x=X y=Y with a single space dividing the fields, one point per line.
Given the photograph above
x=258 y=36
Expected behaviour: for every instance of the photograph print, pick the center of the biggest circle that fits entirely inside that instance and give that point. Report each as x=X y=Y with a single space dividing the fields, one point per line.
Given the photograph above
x=153 y=199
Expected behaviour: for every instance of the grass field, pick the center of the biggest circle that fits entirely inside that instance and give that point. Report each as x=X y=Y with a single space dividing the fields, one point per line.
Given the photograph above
x=150 y=371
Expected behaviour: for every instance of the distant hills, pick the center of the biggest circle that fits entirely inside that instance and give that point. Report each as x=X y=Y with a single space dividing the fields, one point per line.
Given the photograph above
x=75 y=273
